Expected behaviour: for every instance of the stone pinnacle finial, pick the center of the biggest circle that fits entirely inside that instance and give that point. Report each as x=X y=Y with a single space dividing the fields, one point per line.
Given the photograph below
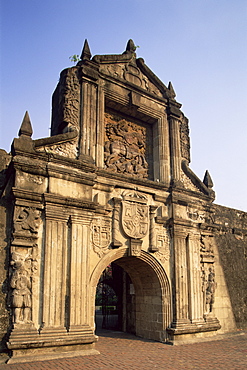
x=208 y=180
x=130 y=46
x=86 y=53
x=26 y=127
x=172 y=91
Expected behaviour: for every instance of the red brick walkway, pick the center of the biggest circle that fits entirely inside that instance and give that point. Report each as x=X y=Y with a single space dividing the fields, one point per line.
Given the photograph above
x=124 y=351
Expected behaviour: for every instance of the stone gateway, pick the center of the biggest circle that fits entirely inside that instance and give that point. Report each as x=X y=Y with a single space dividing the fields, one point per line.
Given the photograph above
x=109 y=198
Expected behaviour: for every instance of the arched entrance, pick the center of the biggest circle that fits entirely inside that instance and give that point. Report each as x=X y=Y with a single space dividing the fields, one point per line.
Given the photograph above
x=115 y=301
x=150 y=307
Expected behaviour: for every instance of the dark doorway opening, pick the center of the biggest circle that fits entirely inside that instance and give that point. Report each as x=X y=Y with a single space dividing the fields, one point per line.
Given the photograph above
x=115 y=301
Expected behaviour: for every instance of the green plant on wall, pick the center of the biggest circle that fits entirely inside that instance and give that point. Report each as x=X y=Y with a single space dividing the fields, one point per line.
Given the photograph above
x=74 y=58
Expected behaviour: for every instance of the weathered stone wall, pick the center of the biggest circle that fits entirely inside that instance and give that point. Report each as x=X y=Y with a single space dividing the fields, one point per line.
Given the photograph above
x=4 y=234
x=232 y=249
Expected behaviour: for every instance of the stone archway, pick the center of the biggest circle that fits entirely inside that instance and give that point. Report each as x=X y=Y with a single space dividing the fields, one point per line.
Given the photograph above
x=152 y=291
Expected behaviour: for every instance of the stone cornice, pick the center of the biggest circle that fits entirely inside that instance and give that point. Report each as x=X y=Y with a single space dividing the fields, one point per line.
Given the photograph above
x=71 y=202
x=56 y=139
x=121 y=180
x=27 y=195
x=69 y=174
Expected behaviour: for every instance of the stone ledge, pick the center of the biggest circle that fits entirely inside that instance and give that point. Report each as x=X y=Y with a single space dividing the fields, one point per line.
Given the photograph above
x=51 y=353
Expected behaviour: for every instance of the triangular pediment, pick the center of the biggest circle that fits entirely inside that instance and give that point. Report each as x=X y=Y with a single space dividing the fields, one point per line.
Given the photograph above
x=126 y=67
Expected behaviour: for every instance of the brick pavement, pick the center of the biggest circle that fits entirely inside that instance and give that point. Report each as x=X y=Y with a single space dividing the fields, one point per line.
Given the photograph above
x=125 y=351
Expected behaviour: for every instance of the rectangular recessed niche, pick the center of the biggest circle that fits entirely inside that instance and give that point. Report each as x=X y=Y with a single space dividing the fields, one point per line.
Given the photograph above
x=128 y=147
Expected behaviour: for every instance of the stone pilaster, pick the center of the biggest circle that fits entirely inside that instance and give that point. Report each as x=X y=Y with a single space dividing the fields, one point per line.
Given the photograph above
x=88 y=119
x=195 y=281
x=180 y=317
x=152 y=236
x=99 y=160
x=115 y=223
x=55 y=270
x=175 y=149
x=161 y=151
x=79 y=273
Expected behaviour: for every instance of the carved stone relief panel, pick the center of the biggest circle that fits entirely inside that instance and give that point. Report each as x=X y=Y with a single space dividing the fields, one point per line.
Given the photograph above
x=185 y=139
x=71 y=102
x=188 y=184
x=135 y=215
x=163 y=244
x=131 y=73
x=26 y=220
x=66 y=110
x=208 y=274
x=195 y=214
x=127 y=146
x=200 y=215
x=101 y=235
x=23 y=269
x=67 y=149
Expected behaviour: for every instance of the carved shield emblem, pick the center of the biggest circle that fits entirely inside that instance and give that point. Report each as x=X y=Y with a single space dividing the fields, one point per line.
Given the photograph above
x=101 y=236
x=135 y=219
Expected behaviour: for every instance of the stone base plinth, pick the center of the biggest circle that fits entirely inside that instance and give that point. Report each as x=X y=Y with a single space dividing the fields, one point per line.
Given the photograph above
x=193 y=332
x=51 y=353
x=30 y=345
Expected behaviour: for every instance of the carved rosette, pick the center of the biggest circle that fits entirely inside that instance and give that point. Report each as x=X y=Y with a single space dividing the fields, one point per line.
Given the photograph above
x=208 y=274
x=101 y=236
x=125 y=147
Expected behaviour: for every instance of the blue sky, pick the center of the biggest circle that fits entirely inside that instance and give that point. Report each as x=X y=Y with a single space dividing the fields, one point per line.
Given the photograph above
x=199 y=45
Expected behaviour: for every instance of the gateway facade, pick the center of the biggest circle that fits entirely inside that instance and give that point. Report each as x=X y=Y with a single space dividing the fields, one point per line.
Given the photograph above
x=112 y=186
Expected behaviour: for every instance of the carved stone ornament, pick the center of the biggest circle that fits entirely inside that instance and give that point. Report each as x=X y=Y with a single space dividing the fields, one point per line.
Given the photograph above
x=125 y=147
x=24 y=265
x=208 y=274
x=131 y=73
x=135 y=247
x=209 y=286
x=135 y=215
x=163 y=244
x=184 y=139
x=67 y=149
x=26 y=220
x=101 y=235
x=207 y=250
x=200 y=215
x=188 y=184
x=195 y=214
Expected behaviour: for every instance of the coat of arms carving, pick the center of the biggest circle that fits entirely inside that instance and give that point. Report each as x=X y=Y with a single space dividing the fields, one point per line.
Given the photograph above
x=100 y=235
x=135 y=216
